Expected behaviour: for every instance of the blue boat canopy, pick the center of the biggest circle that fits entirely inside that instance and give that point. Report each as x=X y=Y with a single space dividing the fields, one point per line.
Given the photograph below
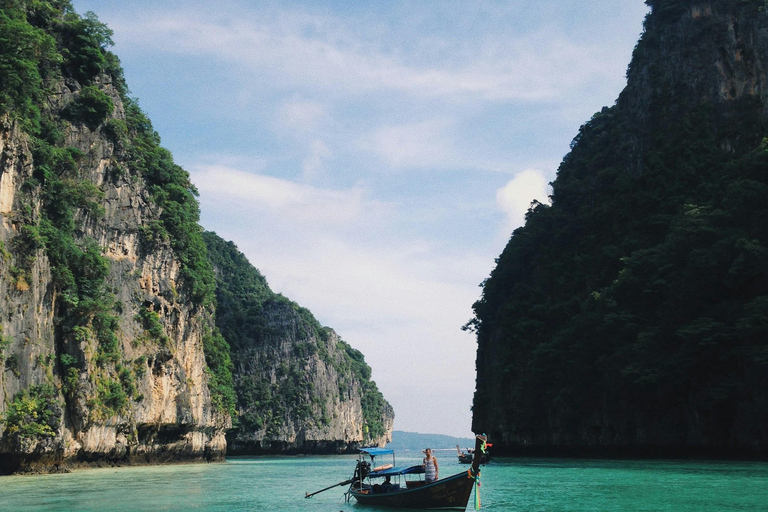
x=373 y=452
x=399 y=470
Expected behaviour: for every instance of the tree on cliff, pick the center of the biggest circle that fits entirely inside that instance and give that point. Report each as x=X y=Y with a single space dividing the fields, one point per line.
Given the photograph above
x=79 y=329
x=109 y=344
x=277 y=347
x=632 y=312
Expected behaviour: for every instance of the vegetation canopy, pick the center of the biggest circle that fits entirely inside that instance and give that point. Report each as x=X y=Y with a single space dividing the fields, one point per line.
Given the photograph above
x=632 y=310
x=48 y=51
x=246 y=312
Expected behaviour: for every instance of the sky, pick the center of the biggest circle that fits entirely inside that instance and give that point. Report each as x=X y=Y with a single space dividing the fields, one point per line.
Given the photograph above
x=372 y=159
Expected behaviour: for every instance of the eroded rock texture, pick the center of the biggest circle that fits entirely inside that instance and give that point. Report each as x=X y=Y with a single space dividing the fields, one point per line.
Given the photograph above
x=143 y=399
x=300 y=388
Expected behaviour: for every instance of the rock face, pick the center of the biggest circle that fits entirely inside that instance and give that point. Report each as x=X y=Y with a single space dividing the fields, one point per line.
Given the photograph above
x=695 y=53
x=300 y=388
x=109 y=346
x=101 y=350
x=169 y=415
x=628 y=317
x=309 y=403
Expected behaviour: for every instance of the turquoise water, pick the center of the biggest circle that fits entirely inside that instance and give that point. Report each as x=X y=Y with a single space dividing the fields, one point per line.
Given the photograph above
x=279 y=483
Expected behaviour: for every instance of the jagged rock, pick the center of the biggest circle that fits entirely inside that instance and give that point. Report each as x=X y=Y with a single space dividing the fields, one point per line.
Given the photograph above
x=172 y=394
x=300 y=388
x=109 y=353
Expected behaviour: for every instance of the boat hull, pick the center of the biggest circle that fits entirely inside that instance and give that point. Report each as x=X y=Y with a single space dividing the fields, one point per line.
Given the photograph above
x=450 y=493
x=467 y=459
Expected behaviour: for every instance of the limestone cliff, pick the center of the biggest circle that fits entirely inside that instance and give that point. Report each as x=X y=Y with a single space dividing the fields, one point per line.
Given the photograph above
x=109 y=345
x=299 y=387
x=103 y=329
x=629 y=316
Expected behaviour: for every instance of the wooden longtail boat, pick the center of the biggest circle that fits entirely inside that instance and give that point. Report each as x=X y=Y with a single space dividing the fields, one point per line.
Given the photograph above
x=451 y=493
x=466 y=457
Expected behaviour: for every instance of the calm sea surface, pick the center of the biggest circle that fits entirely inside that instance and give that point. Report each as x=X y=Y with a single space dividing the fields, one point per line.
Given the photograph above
x=279 y=483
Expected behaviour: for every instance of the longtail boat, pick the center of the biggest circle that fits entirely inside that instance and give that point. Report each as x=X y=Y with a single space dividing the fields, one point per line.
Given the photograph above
x=466 y=457
x=451 y=493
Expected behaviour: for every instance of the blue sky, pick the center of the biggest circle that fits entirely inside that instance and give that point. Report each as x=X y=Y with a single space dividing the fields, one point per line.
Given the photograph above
x=373 y=158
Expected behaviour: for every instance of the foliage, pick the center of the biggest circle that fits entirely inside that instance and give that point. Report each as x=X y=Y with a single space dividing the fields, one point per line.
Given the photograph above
x=117 y=130
x=153 y=234
x=255 y=395
x=150 y=320
x=373 y=403
x=219 y=371
x=85 y=41
x=26 y=245
x=12 y=365
x=91 y=107
x=71 y=374
x=27 y=55
x=241 y=291
x=105 y=326
x=245 y=305
x=33 y=413
x=79 y=270
x=5 y=342
x=374 y=408
x=42 y=40
x=127 y=381
x=175 y=195
x=140 y=366
x=111 y=398
x=636 y=301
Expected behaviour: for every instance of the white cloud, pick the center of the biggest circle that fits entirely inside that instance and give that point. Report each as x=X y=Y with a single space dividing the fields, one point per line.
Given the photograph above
x=423 y=144
x=312 y=164
x=300 y=116
x=400 y=300
x=398 y=306
x=299 y=49
x=293 y=202
x=369 y=270
x=516 y=196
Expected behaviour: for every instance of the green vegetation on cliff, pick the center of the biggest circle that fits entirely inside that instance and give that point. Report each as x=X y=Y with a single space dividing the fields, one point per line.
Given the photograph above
x=130 y=277
x=33 y=413
x=43 y=46
x=43 y=42
x=633 y=311
x=249 y=316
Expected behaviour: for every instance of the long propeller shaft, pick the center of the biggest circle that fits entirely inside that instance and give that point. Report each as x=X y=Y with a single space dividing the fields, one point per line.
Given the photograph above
x=345 y=482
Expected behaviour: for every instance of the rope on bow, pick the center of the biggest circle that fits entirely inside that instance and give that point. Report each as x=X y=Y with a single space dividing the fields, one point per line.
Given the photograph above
x=476 y=477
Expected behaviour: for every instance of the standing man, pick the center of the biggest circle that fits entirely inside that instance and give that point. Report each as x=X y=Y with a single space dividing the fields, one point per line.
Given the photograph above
x=431 y=470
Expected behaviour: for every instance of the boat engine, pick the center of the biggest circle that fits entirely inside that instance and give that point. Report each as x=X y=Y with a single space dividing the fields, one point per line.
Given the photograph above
x=361 y=470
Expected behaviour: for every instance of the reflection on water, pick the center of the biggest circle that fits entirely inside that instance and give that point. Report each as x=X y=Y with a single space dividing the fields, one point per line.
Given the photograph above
x=279 y=483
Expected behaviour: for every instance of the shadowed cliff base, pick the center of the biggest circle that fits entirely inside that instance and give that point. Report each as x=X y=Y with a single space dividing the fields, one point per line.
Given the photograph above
x=285 y=448
x=633 y=452
x=51 y=463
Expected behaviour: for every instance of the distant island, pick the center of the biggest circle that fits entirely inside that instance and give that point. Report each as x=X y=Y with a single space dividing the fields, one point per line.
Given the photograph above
x=407 y=441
